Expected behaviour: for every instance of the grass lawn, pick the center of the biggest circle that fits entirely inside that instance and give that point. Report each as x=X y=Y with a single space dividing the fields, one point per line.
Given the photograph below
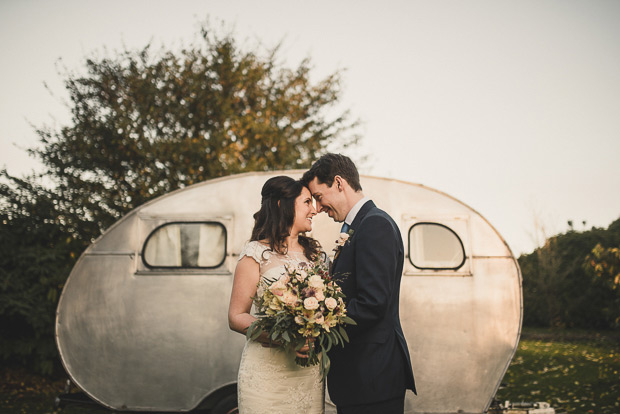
x=576 y=371
x=25 y=393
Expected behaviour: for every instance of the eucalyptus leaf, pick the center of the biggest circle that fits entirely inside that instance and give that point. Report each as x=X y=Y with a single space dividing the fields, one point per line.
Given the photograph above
x=329 y=342
x=348 y=321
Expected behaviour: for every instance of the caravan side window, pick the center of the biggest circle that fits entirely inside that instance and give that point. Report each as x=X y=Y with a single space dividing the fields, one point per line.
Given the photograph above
x=186 y=245
x=435 y=246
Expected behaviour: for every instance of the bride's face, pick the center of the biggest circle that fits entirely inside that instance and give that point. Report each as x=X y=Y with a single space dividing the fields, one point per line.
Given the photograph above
x=304 y=212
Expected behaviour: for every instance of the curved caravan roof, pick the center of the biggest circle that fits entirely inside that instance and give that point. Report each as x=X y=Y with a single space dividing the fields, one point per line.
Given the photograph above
x=142 y=321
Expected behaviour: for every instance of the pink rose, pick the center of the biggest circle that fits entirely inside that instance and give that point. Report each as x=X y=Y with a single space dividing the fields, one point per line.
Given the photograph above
x=289 y=298
x=331 y=303
x=277 y=288
x=311 y=303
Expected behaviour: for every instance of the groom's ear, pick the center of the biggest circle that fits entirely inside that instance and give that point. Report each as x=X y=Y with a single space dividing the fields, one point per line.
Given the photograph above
x=339 y=182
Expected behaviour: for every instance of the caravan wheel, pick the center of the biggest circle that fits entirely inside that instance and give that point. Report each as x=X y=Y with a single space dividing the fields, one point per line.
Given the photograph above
x=227 y=405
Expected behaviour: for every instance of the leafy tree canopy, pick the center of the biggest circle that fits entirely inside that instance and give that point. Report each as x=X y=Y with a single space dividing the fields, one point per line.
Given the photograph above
x=146 y=123
x=143 y=123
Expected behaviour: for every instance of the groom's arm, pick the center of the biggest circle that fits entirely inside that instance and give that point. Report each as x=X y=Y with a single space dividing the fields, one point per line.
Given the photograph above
x=376 y=256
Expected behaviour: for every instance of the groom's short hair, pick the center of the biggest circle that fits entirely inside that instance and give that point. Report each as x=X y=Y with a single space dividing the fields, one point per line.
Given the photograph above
x=329 y=166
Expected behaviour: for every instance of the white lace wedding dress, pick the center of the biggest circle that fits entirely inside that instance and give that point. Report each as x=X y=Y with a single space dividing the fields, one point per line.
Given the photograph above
x=270 y=382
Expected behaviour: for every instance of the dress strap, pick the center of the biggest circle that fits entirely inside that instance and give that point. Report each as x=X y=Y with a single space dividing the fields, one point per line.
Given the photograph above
x=256 y=250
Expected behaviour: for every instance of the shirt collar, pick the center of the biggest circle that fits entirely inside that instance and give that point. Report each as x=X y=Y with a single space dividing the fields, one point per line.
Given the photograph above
x=356 y=209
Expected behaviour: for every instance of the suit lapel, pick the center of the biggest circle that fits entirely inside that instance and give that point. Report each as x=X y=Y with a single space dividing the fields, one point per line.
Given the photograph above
x=358 y=219
x=368 y=205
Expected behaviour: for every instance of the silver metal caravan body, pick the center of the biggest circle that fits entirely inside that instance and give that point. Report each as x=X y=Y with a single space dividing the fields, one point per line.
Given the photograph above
x=142 y=320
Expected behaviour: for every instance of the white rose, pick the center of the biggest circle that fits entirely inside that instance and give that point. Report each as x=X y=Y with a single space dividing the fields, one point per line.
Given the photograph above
x=319 y=295
x=311 y=303
x=342 y=239
x=331 y=303
x=316 y=282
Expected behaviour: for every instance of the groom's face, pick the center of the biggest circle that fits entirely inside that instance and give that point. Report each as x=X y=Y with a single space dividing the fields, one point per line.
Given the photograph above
x=329 y=199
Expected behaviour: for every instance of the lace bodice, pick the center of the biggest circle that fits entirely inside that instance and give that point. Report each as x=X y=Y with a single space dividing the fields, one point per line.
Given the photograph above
x=272 y=264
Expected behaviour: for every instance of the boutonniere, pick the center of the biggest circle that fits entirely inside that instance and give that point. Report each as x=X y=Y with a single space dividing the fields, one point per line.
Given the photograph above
x=343 y=239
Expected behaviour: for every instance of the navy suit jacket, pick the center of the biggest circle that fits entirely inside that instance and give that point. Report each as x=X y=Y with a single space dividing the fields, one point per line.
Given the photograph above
x=375 y=365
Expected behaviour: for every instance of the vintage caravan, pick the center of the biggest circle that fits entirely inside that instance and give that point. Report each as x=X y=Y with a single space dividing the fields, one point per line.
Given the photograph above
x=142 y=320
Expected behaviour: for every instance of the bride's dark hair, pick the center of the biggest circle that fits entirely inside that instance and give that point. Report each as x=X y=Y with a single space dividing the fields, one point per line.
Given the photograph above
x=275 y=218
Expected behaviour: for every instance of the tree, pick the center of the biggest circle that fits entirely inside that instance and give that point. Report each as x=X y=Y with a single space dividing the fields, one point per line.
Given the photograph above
x=560 y=284
x=37 y=252
x=604 y=264
x=145 y=123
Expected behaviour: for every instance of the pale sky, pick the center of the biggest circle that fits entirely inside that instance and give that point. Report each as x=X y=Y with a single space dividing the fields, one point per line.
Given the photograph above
x=512 y=107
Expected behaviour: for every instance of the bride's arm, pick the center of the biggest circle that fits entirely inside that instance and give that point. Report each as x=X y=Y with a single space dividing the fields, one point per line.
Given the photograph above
x=247 y=275
x=246 y=278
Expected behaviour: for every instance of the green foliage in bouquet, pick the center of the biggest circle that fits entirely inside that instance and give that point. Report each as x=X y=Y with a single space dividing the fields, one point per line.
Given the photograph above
x=304 y=306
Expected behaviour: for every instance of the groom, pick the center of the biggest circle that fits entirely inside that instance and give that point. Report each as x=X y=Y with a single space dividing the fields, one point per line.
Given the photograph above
x=372 y=372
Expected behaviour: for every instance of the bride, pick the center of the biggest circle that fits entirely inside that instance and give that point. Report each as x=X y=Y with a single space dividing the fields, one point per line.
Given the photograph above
x=270 y=381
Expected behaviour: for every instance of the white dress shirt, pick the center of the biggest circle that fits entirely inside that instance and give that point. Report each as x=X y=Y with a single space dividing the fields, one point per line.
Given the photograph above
x=356 y=209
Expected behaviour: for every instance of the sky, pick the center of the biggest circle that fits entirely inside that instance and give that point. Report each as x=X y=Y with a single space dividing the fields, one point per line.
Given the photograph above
x=512 y=107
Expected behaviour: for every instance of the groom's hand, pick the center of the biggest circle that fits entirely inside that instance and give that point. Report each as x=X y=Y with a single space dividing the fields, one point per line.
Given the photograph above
x=303 y=351
x=271 y=344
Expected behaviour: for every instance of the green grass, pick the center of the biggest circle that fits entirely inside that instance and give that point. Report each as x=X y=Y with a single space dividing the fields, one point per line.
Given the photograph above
x=575 y=371
x=578 y=372
x=24 y=393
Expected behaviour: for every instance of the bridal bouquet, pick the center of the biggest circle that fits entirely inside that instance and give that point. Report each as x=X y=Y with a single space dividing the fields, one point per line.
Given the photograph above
x=303 y=306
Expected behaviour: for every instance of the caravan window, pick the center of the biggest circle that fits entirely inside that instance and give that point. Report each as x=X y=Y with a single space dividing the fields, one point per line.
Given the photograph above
x=435 y=246
x=186 y=245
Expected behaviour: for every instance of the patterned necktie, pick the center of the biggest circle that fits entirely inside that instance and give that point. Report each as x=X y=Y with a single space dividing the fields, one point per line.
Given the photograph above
x=345 y=228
